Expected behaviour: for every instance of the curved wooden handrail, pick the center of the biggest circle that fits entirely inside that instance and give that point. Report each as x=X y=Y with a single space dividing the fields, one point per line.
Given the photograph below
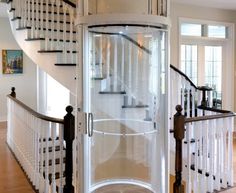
x=70 y=3
x=209 y=117
x=36 y=114
x=184 y=75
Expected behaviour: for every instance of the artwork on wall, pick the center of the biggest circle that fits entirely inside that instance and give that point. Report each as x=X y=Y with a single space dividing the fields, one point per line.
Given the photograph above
x=12 y=61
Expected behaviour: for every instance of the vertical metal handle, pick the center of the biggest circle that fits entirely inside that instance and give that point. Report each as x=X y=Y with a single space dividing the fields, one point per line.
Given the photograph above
x=90 y=124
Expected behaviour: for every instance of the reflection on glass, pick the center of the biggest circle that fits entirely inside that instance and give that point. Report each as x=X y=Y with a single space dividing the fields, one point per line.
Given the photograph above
x=128 y=101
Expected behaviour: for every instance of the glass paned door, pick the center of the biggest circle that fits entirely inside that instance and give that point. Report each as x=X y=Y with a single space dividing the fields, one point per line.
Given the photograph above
x=126 y=144
x=213 y=69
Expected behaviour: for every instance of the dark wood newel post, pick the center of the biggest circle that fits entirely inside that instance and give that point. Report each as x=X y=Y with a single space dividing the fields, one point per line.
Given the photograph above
x=179 y=136
x=13 y=93
x=69 y=135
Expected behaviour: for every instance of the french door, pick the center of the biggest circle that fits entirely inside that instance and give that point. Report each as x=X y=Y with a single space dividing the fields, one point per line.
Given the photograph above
x=204 y=65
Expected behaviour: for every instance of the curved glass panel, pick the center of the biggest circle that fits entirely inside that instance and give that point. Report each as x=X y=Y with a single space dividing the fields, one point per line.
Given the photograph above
x=128 y=102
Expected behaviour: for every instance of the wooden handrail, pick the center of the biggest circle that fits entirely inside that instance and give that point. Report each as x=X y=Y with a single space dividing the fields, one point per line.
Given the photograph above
x=70 y=3
x=209 y=117
x=184 y=75
x=69 y=135
x=36 y=114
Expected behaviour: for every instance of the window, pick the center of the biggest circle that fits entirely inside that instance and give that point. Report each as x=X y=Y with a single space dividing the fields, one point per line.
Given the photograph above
x=206 y=57
x=216 y=31
x=190 y=29
x=189 y=61
x=213 y=68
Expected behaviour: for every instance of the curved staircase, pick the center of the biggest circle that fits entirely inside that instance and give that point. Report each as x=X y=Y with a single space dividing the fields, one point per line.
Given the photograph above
x=46 y=33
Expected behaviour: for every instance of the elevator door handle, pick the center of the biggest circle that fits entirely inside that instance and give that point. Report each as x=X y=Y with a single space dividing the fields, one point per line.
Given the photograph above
x=90 y=124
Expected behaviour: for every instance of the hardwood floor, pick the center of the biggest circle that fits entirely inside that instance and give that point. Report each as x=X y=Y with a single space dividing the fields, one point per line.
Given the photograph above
x=12 y=178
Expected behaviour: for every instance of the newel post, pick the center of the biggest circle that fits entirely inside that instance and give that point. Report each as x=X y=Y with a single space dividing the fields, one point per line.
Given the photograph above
x=13 y=93
x=179 y=136
x=69 y=135
x=205 y=99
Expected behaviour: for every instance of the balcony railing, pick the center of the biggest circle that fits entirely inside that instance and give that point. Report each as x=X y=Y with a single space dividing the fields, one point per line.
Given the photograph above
x=42 y=146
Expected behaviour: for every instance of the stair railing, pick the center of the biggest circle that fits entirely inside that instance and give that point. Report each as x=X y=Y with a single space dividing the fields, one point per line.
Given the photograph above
x=51 y=21
x=42 y=145
x=205 y=157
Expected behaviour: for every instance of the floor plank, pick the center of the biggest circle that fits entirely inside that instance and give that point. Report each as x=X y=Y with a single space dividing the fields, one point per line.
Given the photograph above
x=12 y=178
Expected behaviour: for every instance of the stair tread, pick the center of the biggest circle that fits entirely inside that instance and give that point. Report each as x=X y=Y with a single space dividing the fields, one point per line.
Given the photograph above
x=65 y=64
x=134 y=106
x=112 y=92
x=55 y=51
x=55 y=40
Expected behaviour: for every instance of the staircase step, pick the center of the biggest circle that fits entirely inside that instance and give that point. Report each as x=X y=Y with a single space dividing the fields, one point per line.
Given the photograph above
x=55 y=51
x=49 y=12
x=112 y=92
x=57 y=148
x=191 y=141
x=65 y=64
x=134 y=106
x=34 y=39
x=15 y=18
x=56 y=30
x=23 y=28
x=12 y=9
x=50 y=21
x=97 y=78
x=55 y=40
x=50 y=51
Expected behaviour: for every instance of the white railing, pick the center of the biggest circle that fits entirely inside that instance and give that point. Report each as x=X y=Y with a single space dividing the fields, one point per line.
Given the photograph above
x=51 y=21
x=38 y=144
x=207 y=159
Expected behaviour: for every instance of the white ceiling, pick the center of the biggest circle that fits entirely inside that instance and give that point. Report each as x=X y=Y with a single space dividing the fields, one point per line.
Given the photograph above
x=3 y=10
x=223 y=4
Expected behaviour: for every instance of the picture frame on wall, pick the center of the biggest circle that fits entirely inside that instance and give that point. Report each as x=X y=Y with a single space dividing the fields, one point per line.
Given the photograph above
x=12 y=61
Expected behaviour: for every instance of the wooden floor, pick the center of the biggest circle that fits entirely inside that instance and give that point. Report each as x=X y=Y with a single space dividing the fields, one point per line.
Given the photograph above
x=12 y=179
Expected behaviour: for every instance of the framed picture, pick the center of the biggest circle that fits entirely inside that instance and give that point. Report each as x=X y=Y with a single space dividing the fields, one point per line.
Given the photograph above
x=12 y=61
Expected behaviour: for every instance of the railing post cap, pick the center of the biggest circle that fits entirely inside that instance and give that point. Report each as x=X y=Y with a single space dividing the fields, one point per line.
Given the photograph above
x=69 y=109
x=178 y=108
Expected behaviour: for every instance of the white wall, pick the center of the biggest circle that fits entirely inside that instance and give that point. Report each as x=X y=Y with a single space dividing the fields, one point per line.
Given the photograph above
x=195 y=12
x=25 y=83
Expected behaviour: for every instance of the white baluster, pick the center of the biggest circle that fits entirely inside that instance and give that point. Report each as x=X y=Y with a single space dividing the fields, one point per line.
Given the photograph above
x=122 y=64
x=196 y=158
x=188 y=100
x=53 y=157
x=224 y=131
x=218 y=146
x=71 y=47
x=99 y=65
x=130 y=67
x=61 y=134
x=230 y=151
x=115 y=71
x=189 y=156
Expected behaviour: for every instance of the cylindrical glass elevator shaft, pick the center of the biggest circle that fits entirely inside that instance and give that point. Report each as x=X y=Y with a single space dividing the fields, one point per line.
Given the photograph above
x=126 y=142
